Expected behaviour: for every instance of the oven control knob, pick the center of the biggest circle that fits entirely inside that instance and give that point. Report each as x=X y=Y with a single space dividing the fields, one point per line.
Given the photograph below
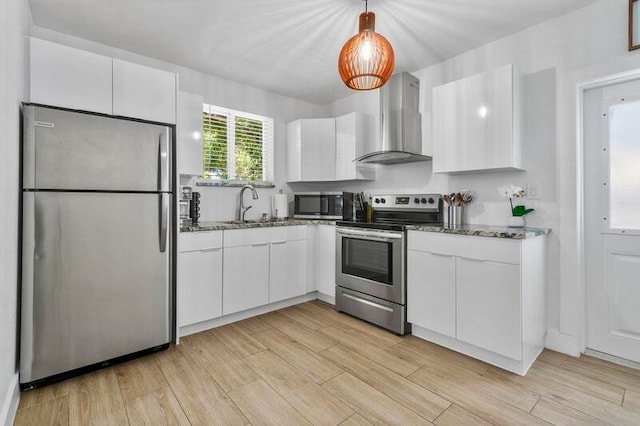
x=377 y=201
x=431 y=200
x=423 y=201
x=383 y=200
x=416 y=200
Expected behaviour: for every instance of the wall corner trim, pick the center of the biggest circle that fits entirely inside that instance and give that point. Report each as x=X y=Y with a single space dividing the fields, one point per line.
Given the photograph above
x=567 y=344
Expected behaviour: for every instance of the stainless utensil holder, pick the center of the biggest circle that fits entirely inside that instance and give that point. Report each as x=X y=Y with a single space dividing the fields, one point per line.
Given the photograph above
x=454 y=217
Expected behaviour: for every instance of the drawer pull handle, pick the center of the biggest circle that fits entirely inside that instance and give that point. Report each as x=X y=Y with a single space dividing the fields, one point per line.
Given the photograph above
x=259 y=244
x=441 y=254
x=211 y=250
x=470 y=259
x=279 y=242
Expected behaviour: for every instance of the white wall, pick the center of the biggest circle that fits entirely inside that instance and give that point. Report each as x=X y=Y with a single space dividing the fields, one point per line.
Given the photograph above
x=217 y=203
x=554 y=57
x=15 y=20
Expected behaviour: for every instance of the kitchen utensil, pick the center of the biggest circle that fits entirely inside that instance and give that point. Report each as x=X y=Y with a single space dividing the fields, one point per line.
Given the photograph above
x=447 y=199
x=457 y=200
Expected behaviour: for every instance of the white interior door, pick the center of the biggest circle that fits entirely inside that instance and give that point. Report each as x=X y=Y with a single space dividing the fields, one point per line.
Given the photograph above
x=612 y=219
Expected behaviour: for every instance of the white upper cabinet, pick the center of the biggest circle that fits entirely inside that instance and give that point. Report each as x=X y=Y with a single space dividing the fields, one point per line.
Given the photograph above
x=323 y=149
x=71 y=78
x=189 y=134
x=477 y=123
x=354 y=132
x=143 y=92
x=311 y=150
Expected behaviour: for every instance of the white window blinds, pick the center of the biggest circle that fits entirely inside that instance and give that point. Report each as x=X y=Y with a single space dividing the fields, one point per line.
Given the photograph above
x=237 y=145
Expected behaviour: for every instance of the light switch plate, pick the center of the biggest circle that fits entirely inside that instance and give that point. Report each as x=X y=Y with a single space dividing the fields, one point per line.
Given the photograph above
x=533 y=191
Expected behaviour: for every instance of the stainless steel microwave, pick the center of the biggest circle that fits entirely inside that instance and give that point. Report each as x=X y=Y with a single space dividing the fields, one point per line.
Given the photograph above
x=323 y=205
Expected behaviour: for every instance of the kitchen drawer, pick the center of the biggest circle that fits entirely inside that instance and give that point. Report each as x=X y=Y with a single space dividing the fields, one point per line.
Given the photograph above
x=288 y=233
x=194 y=241
x=481 y=248
x=247 y=237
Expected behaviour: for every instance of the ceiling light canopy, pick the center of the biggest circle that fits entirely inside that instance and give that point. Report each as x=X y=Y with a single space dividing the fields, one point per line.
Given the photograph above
x=366 y=60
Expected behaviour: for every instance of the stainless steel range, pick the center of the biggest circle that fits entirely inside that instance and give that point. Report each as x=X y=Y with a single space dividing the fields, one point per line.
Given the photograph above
x=371 y=266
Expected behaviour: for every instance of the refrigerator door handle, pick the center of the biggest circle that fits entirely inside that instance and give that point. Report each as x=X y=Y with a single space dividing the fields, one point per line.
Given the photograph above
x=164 y=219
x=163 y=160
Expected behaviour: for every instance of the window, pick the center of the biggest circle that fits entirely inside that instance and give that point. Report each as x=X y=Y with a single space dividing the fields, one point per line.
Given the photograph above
x=237 y=145
x=624 y=171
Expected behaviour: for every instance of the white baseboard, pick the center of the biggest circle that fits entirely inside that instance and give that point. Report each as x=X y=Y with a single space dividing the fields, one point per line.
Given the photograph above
x=10 y=404
x=238 y=316
x=564 y=343
x=326 y=298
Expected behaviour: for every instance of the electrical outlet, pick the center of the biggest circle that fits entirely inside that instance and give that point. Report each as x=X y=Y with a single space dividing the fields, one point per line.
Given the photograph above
x=533 y=191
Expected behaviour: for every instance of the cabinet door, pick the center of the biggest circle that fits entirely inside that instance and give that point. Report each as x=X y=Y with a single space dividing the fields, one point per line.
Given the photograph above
x=70 y=78
x=189 y=134
x=353 y=133
x=326 y=260
x=143 y=92
x=318 y=144
x=287 y=270
x=199 y=286
x=294 y=151
x=475 y=125
x=489 y=306
x=245 y=277
x=431 y=291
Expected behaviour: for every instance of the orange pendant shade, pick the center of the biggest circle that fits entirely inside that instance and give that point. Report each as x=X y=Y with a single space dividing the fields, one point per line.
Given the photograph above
x=366 y=60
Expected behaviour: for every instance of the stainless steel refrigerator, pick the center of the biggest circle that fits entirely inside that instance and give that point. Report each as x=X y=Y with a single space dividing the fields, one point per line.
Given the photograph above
x=96 y=241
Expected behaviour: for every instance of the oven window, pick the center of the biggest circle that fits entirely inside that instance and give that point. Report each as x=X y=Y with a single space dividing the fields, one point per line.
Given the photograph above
x=367 y=259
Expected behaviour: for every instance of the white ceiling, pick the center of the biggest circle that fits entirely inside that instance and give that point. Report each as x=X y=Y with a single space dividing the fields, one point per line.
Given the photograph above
x=291 y=46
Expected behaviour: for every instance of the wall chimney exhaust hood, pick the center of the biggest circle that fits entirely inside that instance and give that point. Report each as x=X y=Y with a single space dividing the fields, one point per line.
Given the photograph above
x=400 y=133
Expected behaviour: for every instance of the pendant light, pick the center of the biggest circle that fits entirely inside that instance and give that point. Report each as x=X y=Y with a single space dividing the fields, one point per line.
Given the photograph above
x=366 y=60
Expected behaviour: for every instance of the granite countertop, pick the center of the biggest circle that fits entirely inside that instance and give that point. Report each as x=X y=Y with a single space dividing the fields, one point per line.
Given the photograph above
x=236 y=224
x=485 y=231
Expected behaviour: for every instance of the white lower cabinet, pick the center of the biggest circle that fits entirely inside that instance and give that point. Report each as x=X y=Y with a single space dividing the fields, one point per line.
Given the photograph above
x=287 y=270
x=325 y=260
x=199 y=277
x=224 y=272
x=245 y=278
x=263 y=265
x=481 y=296
x=488 y=306
x=431 y=297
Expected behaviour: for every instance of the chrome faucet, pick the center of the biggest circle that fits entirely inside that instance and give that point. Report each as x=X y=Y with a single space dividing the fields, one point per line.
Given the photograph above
x=241 y=208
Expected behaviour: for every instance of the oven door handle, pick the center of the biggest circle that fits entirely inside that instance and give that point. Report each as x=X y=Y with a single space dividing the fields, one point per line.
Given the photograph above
x=371 y=235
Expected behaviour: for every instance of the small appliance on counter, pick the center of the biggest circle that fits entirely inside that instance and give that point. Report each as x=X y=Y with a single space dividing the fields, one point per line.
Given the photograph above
x=183 y=205
x=189 y=206
x=323 y=205
x=194 y=207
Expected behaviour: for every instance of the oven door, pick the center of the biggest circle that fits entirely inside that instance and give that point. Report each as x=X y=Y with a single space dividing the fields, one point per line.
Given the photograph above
x=372 y=262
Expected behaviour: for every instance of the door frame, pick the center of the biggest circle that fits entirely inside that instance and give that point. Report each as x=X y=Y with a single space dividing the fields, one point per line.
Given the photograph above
x=596 y=83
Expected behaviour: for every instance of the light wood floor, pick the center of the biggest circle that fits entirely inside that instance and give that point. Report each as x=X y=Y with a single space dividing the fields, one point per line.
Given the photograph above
x=311 y=365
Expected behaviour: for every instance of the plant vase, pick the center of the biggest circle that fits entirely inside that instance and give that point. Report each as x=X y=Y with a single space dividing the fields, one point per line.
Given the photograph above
x=516 y=222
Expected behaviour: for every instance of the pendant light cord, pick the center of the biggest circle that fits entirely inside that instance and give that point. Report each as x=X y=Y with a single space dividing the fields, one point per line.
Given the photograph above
x=366 y=6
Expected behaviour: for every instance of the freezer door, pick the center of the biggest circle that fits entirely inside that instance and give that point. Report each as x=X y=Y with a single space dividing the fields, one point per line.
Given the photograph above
x=96 y=279
x=72 y=150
